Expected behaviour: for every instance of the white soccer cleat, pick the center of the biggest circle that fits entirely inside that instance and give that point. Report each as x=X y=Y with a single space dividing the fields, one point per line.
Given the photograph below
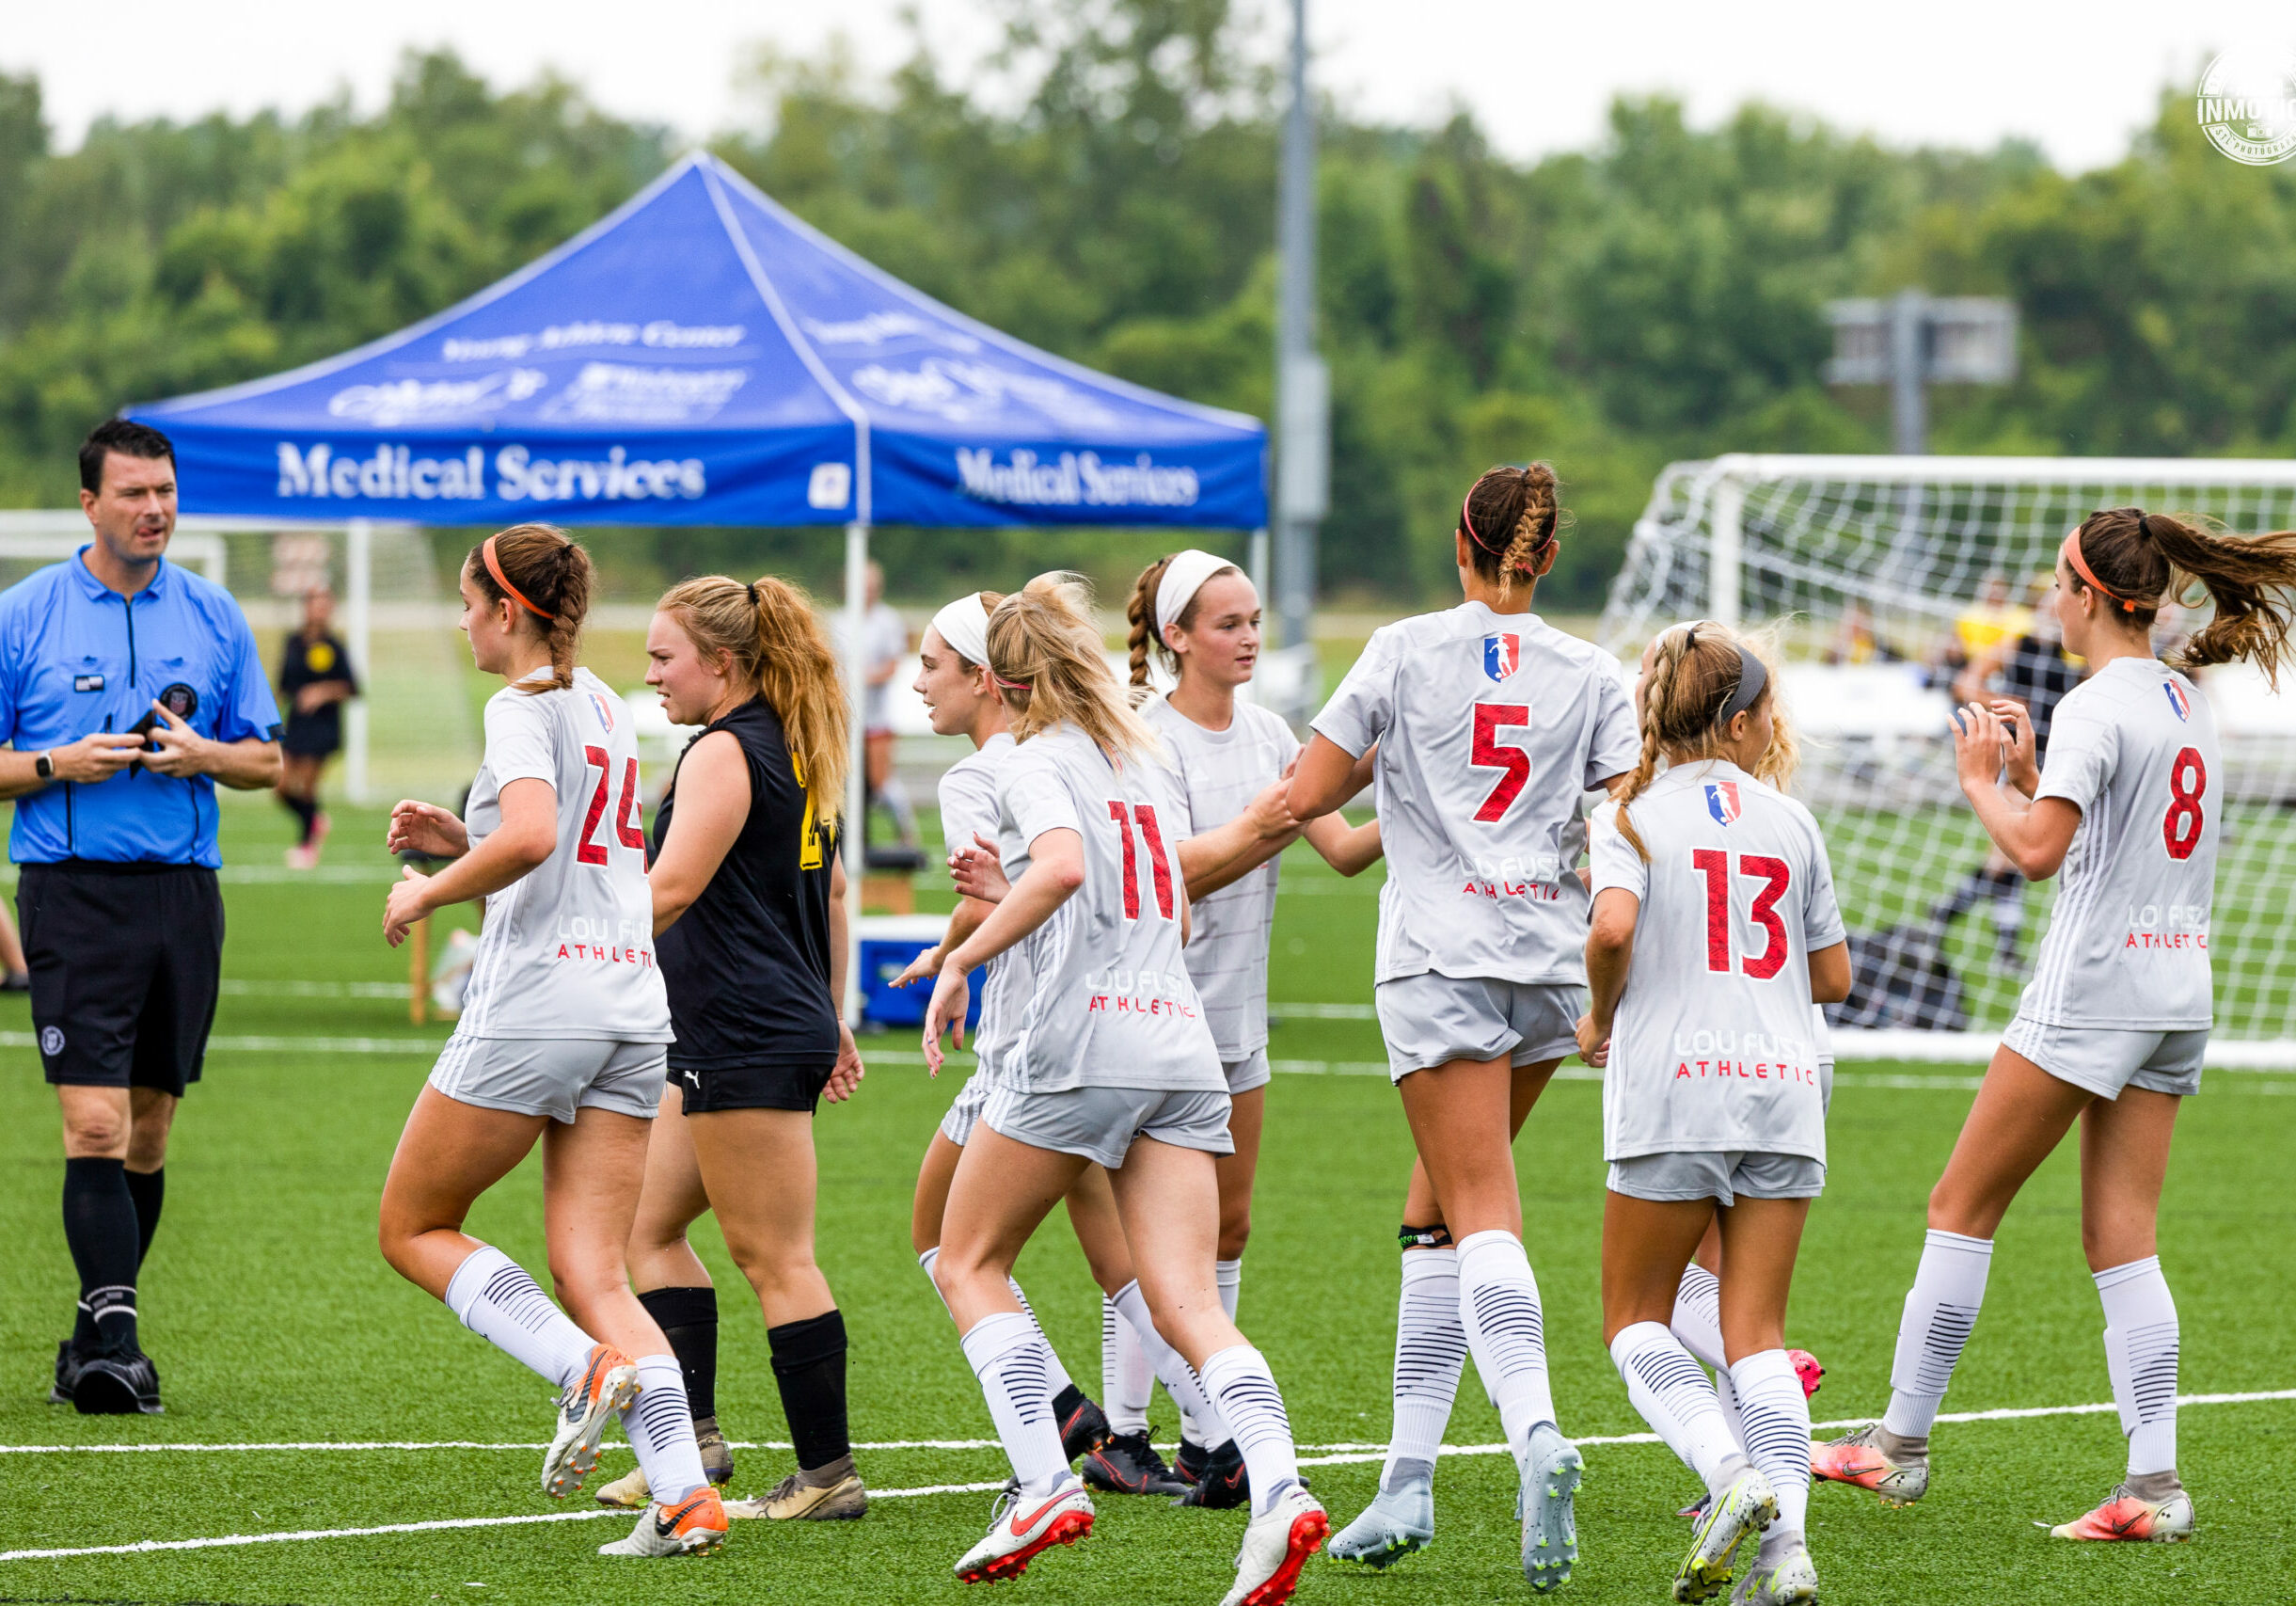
x=1275 y=1546
x=695 y=1526
x=1552 y=1472
x=1022 y=1527
x=1746 y=1506
x=1401 y=1520
x=1787 y=1579
x=607 y=1385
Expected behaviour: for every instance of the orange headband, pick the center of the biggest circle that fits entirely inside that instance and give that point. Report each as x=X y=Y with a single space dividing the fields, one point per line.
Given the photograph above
x=2071 y=550
x=494 y=567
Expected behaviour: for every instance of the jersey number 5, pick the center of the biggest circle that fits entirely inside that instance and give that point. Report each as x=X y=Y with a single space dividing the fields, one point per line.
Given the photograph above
x=592 y=851
x=2188 y=782
x=1488 y=755
x=1124 y=815
x=1715 y=865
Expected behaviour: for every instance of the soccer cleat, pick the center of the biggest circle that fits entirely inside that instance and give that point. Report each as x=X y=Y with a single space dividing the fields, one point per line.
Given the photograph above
x=1221 y=1484
x=1746 y=1506
x=1807 y=1370
x=693 y=1527
x=1899 y=1475
x=117 y=1383
x=1696 y=1510
x=608 y=1384
x=2126 y=1516
x=1552 y=1472
x=1126 y=1463
x=1787 y=1579
x=1401 y=1520
x=717 y=1455
x=1275 y=1546
x=629 y=1491
x=795 y=1500
x=1082 y=1423
x=1022 y=1527
x=1189 y=1463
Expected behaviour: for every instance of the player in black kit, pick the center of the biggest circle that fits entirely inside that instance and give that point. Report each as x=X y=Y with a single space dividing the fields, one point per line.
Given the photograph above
x=315 y=680
x=750 y=918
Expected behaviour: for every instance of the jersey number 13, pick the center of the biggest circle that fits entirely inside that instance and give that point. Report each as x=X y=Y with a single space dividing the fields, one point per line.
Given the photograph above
x=1775 y=875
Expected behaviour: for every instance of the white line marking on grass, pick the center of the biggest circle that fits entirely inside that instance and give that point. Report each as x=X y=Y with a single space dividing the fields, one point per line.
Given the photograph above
x=236 y=988
x=286 y=1045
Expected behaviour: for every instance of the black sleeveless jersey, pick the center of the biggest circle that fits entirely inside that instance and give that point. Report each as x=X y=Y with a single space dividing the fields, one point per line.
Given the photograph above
x=748 y=965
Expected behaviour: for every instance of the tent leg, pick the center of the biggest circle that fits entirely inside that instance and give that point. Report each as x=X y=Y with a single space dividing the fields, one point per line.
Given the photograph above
x=358 y=577
x=855 y=833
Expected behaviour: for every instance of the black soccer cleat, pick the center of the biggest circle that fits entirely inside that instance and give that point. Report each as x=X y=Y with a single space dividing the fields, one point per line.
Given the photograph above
x=1082 y=1423
x=1222 y=1485
x=1189 y=1463
x=1126 y=1463
x=113 y=1384
x=70 y=1358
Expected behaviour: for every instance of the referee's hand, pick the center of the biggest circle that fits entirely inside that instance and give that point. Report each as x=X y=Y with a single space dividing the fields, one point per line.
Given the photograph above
x=97 y=756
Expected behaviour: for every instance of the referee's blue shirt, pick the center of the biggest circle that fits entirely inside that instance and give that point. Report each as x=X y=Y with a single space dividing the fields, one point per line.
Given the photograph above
x=77 y=658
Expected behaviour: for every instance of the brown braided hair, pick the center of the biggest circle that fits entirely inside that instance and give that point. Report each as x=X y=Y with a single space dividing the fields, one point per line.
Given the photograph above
x=1513 y=519
x=2146 y=557
x=1140 y=610
x=1693 y=674
x=552 y=574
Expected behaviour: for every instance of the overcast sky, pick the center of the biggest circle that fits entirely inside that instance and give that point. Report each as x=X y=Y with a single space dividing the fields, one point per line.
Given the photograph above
x=2077 y=78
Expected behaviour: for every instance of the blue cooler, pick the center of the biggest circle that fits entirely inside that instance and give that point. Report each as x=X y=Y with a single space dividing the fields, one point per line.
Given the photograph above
x=888 y=943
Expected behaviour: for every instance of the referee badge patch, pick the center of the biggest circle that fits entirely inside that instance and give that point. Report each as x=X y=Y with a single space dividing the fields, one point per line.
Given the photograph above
x=52 y=1040
x=88 y=683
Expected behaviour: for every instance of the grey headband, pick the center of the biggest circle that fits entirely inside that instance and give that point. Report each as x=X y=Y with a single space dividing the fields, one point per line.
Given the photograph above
x=1752 y=678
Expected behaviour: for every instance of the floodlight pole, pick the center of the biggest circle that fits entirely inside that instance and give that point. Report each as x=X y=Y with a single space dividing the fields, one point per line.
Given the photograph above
x=1303 y=400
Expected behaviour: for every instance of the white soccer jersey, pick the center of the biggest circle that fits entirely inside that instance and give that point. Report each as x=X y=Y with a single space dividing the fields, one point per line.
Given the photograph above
x=568 y=949
x=1220 y=771
x=1111 y=1004
x=1490 y=728
x=2134 y=746
x=1713 y=1045
x=969 y=808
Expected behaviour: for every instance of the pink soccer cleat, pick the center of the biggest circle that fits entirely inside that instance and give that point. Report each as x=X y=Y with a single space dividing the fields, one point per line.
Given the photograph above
x=1899 y=1474
x=1807 y=1369
x=2125 y=1516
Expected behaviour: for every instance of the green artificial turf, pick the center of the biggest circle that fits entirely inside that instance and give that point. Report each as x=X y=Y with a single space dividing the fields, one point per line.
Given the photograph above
x=273 y=1321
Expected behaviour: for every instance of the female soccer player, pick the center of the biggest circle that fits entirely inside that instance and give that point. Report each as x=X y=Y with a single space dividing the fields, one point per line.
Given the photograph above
x=1490 y=725
x=1714 y=932
x=2113 y=1028
x=747 y=908
x=1199 y=615
x=1112 y=1063
x=315 y=680
x=561 y=1038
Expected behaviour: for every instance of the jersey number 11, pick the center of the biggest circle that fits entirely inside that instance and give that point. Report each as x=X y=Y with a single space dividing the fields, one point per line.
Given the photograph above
x=1124 y=814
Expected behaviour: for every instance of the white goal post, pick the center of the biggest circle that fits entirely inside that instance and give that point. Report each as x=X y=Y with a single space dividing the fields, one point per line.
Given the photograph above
x=1882 y=577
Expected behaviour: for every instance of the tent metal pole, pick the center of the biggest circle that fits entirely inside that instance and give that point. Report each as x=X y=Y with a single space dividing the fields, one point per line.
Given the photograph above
x=854 y=833
x=358 y=610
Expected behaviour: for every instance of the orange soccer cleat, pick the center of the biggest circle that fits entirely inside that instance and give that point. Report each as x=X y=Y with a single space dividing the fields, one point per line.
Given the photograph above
x=2127 y=1516
x=608 y=1384
x=1895 y=1469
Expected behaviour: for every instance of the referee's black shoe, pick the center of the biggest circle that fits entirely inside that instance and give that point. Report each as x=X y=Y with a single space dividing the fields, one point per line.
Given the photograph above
x=70 y=1358
x=117 y=1383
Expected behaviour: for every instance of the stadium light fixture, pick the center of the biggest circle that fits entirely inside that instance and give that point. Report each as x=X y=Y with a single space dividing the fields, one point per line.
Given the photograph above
x=1915 y=339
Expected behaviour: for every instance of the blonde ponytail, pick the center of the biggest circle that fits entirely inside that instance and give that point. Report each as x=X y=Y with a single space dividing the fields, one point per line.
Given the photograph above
x=1693 y=674
x=1049 y=669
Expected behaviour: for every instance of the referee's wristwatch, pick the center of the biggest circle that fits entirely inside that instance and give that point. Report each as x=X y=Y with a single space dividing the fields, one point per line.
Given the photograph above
x=44 y=766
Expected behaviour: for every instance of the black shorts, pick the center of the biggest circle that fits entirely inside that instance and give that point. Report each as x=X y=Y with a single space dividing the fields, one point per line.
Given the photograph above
x=125 y=960
x=781 y=1086
x=307 y=738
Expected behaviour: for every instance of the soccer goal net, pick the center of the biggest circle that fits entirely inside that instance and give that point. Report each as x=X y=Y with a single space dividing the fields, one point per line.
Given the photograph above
x=1893 y=582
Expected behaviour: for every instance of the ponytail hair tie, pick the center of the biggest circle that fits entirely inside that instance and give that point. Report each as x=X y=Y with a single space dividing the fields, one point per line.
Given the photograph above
x=751 y=589
x=1009 y=685
x=494 y=567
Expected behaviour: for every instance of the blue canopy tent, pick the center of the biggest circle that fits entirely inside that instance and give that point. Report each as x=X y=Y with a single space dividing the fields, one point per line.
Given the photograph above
x=701 y=357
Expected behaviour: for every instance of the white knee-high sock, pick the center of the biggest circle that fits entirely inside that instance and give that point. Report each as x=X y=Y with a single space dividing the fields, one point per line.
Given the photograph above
x=1675 y=1397
x=1940 y=1309
x=500 y=1302
x=1776 y=1418
x=659 y=1426
x=1726 y=1396
x=1179 y=1378
x=1013 y=1362
x=1499 y=1305
x=1697 y=1322
x=1059 y=1374
x=1128 y=1382
x=1239 y=1379
x=1431 y=1350
x=2140 y=1343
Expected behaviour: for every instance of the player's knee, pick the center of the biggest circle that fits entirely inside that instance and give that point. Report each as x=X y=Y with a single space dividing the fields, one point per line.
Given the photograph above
x=1235 y=1232
x=772 y=1263
x=96 y=1135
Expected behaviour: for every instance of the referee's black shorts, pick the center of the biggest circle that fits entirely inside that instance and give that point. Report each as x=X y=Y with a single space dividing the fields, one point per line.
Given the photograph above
x=125 y=960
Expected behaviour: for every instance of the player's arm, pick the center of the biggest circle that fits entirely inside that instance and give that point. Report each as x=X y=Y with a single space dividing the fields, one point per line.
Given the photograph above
x=1055 y=870
x=1213 y=859
x=846 y=1073
x=1325 y=776
x=1351 y=850
x=964 y=920
x=1611 y=950
x=528 y=835
x=713 y=805
x=1830 y=975
x=2032 y=835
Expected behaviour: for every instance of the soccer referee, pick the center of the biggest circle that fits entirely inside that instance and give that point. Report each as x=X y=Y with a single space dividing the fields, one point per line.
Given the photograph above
x=128 y=687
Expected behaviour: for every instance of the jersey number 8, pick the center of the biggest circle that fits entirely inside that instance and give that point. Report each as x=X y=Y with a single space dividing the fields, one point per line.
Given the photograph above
x=590 y=851
x=1715 y=865
x=1123 y=815
x=2188 y=782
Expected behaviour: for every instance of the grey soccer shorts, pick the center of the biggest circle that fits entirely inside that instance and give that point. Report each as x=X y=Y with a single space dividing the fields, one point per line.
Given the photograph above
x=1432 y=1019
x=2104 y=1059
x=552 y=1075
x=1101 y=1124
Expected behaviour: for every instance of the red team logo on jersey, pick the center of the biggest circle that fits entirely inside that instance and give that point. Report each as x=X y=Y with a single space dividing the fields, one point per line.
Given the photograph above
x=1722 y=800
x=1501 y=656
x=2177 y=700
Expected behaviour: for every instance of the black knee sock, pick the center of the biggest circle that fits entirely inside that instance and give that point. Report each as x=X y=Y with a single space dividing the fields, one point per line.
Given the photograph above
x=304 y=809
x=149 y=1189
x=99 y=1226
x=689 y=1319
x=809 y=1367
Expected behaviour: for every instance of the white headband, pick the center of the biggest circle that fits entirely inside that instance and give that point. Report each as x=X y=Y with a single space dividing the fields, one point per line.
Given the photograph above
x=1182 y=578
x=964 y=624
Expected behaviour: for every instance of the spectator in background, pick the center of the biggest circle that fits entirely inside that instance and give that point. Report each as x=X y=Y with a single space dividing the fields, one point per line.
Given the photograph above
x=315 y=680
x=884 y=648
x=1857 y=641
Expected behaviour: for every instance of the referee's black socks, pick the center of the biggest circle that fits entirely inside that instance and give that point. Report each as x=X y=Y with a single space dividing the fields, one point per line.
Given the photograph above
x=809 y=1367
x=99 y=1226
x=689 y=1319
x=306 y=811
x=149 y=1189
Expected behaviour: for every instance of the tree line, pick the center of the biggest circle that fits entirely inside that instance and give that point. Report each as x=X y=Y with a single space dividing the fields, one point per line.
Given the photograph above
x=1106 y=191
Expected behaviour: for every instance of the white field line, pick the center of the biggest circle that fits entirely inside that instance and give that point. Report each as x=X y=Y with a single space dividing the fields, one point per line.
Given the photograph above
x=1334 y=1455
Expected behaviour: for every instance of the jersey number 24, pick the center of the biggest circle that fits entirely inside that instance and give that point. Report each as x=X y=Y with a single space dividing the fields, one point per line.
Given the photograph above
x=591 y=851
